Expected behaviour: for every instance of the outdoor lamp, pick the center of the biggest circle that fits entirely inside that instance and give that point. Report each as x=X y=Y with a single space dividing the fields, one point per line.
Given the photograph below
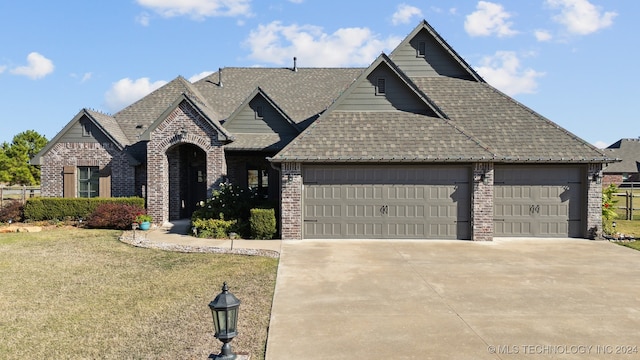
x=224 y=309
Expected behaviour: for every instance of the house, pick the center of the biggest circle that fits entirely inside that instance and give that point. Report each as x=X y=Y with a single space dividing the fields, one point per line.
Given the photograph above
x=417 y=145
x=627 y=170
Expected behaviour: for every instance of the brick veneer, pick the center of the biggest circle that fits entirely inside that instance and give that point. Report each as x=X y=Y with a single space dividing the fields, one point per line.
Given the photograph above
x=291 y=201
x=482 y=202
x=181 y=126
x=594 y=203
x=86 y=154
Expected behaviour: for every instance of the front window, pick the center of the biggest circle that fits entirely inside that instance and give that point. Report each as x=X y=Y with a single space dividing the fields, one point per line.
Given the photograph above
x=258 y=180
x=88 y=180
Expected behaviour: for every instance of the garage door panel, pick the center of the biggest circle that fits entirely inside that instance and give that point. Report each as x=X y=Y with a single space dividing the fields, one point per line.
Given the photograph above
x=538 y=201
x=391 y=202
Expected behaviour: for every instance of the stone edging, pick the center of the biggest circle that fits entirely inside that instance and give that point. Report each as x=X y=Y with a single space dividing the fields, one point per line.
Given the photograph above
x=127 y=238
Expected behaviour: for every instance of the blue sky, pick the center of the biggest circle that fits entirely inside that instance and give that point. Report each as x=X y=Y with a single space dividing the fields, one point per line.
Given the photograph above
x=573 y=61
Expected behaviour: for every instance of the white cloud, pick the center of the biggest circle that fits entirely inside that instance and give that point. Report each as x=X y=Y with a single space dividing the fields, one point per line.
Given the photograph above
x=38 y=67
x=405 y=14
x=580 y=16
x=296 y=1
x=200 y=76
x=198 y=9
x=2 y=69
x=542 y=35
x=488 y=19
x=143 y=19
x=126 y=91
x=601 y=145
x=503 y=71
x=275 y=43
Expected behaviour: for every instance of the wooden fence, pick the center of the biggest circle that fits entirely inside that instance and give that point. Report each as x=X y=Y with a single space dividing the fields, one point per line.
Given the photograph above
x=21 y=193
x=625 y=204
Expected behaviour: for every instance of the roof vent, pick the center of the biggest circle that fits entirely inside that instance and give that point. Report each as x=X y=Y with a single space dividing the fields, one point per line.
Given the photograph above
x=295 y=63
x=220 y=77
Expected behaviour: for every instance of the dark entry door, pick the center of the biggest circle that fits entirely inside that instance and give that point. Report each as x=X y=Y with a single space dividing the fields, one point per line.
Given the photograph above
x=194 y=179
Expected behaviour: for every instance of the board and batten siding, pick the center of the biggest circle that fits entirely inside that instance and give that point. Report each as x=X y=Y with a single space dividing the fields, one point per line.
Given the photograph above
x=435 y=62
x=398 y=95
x=247 y=122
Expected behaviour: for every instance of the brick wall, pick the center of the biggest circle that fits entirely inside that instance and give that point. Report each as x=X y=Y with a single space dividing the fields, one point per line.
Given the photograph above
x=482 y=202
x=291 y=203
x=182 y=126
x=86 y=154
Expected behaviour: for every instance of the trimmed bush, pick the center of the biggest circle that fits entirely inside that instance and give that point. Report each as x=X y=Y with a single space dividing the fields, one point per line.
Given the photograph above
x=213 y=228
x=12 y=211
x=114 y=216
x=263 y=223
x=42 y=208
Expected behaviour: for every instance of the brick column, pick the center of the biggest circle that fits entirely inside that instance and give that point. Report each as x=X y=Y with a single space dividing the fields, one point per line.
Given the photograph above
x=291 y=201
x=482 y=202
x=594 y=201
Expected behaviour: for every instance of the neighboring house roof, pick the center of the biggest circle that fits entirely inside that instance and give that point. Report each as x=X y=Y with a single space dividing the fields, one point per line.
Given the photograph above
x=628 y=151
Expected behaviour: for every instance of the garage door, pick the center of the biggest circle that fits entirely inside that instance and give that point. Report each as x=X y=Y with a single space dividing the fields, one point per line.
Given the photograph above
x=538 y=201
x=402 y=202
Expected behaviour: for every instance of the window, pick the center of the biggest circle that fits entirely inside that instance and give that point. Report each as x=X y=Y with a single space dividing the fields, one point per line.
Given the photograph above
x=258 y=180
x=421 y=51
x=88 y=181
x=381 y=86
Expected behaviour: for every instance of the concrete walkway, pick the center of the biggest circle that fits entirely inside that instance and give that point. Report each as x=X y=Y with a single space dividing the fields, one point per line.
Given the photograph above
x=507 y=299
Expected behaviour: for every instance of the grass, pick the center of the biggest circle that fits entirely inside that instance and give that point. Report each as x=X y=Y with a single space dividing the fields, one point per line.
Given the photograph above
x=77 y=293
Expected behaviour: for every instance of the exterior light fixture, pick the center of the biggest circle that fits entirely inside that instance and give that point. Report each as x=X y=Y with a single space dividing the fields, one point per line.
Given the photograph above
x=224 y=309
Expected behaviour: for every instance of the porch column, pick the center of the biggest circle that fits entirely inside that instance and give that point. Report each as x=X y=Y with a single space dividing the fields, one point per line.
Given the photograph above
x=291 y=201
x=594 y=201
x=482 y=202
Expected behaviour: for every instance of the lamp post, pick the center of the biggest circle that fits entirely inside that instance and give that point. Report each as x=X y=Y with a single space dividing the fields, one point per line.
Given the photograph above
x=224 y=309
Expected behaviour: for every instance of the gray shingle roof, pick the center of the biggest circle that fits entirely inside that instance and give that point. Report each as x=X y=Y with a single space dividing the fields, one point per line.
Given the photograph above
x=511 y=130
x=301 y=94
x=110 y=126
x=382 y=136
x=627 y=150
x=258 y=142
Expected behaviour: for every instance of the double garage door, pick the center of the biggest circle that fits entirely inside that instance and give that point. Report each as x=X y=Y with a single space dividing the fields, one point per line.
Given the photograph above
x=369 y=202
x=434 y=202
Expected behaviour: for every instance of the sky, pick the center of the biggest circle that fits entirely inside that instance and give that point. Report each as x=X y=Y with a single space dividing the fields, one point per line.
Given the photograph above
x=572 y=61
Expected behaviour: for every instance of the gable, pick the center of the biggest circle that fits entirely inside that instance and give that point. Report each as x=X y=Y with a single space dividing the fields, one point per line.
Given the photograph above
x=259 y=116
x=424 y=53
x=365 y=96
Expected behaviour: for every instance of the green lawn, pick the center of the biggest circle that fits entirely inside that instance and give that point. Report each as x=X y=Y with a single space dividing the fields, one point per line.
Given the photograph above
x=76 y=293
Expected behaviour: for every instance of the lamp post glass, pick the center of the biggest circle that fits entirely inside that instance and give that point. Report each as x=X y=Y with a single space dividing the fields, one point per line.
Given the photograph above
x=224 y=309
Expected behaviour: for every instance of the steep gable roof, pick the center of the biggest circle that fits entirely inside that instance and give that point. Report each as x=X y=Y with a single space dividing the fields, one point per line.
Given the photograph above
x=136 y=118
x=208 y=114
x=511 y=130
x=364 y=135
x=628 y=151
x=105 y=124
x=437 y=57
x=302 y=93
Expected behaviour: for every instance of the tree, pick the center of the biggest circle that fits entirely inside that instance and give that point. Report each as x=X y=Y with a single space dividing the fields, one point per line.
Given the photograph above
x=14 y=159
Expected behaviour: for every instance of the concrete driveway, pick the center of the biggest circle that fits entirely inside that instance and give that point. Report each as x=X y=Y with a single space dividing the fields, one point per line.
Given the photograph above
x=507 y=299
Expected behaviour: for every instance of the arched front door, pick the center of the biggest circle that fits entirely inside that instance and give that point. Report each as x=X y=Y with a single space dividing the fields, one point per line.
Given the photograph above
x=187 y=179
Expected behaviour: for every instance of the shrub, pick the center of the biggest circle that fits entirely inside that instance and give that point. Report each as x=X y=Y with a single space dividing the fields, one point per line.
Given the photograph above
x=114 y=216
x=263 y=223
x=42 y=208
x=13 y=211
x=227 y=202
x=213 y=228
x=608 y=208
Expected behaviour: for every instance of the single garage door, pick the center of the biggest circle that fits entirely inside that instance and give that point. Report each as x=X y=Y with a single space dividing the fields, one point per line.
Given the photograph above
x=400 y=202
x=540 y=201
